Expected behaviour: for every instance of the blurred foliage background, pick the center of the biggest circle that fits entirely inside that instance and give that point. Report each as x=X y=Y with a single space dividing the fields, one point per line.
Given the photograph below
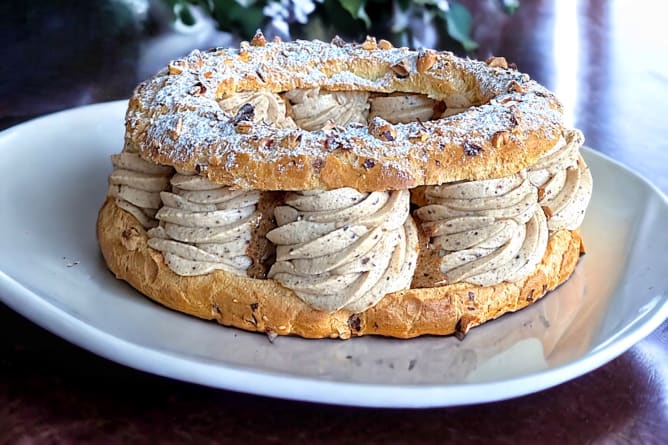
x=444 y=23
x=63 y=53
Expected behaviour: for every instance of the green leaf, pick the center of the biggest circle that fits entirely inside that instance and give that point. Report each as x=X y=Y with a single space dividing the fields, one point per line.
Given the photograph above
x=234 y=17
x=179 y=11
x=184 y=14
x=339 y=21
x=356 y=10
x=460 y=23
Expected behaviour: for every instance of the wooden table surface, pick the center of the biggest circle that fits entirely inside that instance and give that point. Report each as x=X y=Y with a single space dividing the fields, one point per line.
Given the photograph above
x=607 y=60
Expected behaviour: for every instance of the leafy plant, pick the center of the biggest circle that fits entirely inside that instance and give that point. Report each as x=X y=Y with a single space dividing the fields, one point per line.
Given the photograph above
x=351 y=18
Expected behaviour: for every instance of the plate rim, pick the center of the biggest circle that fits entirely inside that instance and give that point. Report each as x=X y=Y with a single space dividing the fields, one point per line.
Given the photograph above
x=303 y=388
x=273 y=384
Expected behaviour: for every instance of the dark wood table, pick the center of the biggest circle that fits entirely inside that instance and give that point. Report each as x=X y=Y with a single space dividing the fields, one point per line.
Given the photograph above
x=608 y=62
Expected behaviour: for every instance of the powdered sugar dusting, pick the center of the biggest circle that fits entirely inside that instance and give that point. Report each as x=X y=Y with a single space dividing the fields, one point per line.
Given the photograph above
x=174 y=117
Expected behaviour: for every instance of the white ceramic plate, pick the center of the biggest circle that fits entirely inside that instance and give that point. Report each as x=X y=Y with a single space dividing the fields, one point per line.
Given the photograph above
x=53 y=175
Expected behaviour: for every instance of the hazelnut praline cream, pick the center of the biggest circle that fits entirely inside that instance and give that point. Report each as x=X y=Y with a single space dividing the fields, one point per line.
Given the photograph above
x=340 y=241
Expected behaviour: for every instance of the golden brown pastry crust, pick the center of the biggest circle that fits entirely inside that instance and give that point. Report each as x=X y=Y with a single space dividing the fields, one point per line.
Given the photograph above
x=174 y=118
x=266 y=306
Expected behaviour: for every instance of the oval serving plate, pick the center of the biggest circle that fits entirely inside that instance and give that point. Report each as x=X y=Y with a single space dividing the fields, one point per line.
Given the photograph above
x=54 y=173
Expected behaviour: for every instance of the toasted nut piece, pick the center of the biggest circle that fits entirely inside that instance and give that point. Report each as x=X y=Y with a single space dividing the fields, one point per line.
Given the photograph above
x=174 y=69
x=401 y=68
x=500 y=138
x=507 y=101
x=244 y=53
x=291 y=140
x=497 y=62
x=258 y=39
x=472 y=149
x=421 y=136
x=369 y=163
x=197 y=89
x=329 y=126
x=199 y=62
x=513 y=85
x=179 y=127
x=425 y=60
x=338 y=41
x=131 y=239
x=382 y=129
x=246 y=112
x=384 y=44
x=244 y=127
x=370 y=43
x=439 y=108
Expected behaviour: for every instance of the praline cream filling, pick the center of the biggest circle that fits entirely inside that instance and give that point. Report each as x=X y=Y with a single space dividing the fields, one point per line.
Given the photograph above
x=204 y=226
x=314 y=109
x=343 y=248
x=486 y=231
x=564 y=182
x=496 y=230
x=403 y=108
x=136 y=184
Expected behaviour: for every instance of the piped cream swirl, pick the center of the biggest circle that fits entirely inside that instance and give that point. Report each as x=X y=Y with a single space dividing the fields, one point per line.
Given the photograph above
x=402 y=108
x=204 y=226
x=485 y=231
x=564 y=182
x=136 y=184
x=343 y=248
x=268 y=107
x=314 y=108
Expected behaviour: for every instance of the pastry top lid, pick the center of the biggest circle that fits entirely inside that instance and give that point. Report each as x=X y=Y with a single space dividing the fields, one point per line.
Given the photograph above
x=174 y=118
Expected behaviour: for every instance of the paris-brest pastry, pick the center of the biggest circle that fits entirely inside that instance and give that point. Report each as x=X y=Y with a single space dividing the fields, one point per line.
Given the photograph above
x=338 y=189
